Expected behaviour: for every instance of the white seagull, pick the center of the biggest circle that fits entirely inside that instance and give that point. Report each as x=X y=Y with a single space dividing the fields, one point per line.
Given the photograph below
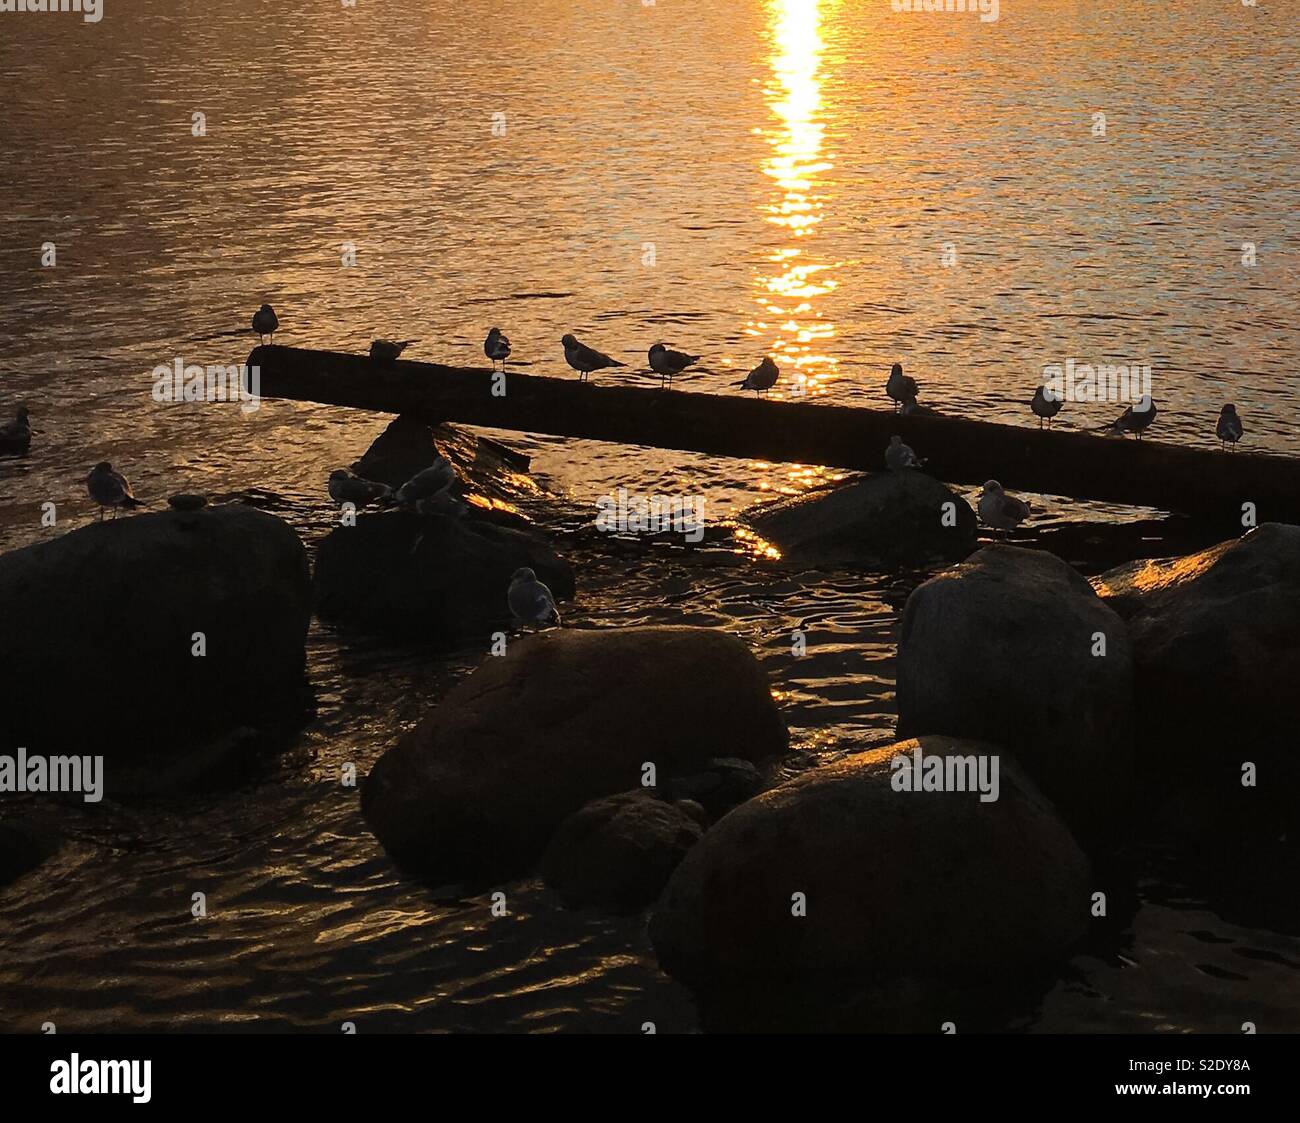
x=433 y=480
x=1000 y=510
x=344 y=487
x=900 y=386
x=497 y=348
x=110 y=489
x=668 y=364
x=265 y=322
x=762 y=378
x=898 y=456
x=530 y=601
x=1229 y=430
x=586 y=359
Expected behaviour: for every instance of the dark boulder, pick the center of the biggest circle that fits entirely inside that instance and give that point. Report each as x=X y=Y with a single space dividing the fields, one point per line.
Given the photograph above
x=563 y=718
x=1014 y=647
x=888 y=518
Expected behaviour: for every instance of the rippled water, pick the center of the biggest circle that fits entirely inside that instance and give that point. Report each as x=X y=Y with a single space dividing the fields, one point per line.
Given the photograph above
x=796 y=168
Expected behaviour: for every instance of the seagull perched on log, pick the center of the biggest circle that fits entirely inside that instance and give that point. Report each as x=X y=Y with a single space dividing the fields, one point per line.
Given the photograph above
x=1229 y=430
x=388 y=350
x=586 y=359
x=16 y=436
x=899 y=456
x=762 y=378
x=497 y=348
x=433 y=480
x=1000 y=510
x=900 y=386
x=265 y=322
x=344 y=487
x=1136 y=419
x=530 y=601
x=668 y=364
x=1046 y=404
x=110 y=489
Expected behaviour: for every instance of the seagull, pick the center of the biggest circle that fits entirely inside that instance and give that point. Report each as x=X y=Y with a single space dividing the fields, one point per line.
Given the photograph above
x=264 y=322
x=762 y=378
x=434 y=480
x=1046 y=404
x=668 y=364
x=530 y=601
x=899 y=456
x=900 y=387
x=497 y=348
x=109 y=489
x=1136 y=418
x=344 y=487
x=1000 y=510
x=910 y=407
x=386 y=350
x=585 y=359
x=17 y=435
x=1229 y=429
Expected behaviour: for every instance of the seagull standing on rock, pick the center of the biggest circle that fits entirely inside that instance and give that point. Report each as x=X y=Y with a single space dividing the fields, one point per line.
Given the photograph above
x=899 y=456
x=344 y=487
x=900 y=386
x=1229 y=430
x=1000 y=510
x=1046 y=404
x=497 y=348
x=586 y=359
x=434 y=480
x=668 y=364
x=265 y=322
x=530 y=601
x=110 y=489
x=762 y=378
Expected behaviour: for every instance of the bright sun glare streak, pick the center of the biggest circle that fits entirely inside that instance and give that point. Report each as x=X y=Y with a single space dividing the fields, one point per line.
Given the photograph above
x=799 y=337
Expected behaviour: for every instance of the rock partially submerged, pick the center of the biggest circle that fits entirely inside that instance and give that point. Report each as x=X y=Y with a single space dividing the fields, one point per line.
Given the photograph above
x=1014 y=647
x=22 y=849
x=837 y=874
x=400 y=573
x=888 y=518
x=618 y=852
x=401 y=451
x=99 y=632
x=565 y=717
x=1216 y=641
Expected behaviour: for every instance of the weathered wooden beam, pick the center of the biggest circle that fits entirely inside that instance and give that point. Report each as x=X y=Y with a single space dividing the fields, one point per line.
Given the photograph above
x=1147 y=473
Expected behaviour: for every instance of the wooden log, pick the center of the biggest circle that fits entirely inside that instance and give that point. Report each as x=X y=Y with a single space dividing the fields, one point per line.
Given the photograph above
x=1146 y=473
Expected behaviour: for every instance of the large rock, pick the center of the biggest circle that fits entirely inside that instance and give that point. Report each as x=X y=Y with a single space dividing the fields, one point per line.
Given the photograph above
x=933 y=884
x=563 y=718
x=404 y=449
x=1001 y=649
x=97 y=632
x=400 y=573
x=619 y=851
x=1216 y=639
x=890 y=518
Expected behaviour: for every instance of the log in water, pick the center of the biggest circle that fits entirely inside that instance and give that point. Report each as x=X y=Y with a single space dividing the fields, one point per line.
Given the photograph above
x=1146 y=473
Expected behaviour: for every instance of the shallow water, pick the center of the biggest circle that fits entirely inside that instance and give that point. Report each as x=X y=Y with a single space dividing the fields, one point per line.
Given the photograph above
x=797 y=167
